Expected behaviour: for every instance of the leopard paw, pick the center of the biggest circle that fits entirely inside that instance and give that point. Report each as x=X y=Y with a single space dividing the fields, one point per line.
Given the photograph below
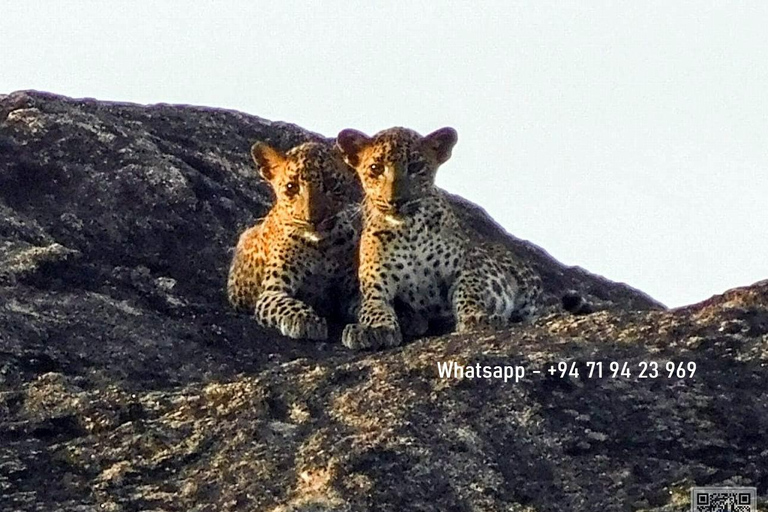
x=304 y=325
x=360 y=337
x=480 y=322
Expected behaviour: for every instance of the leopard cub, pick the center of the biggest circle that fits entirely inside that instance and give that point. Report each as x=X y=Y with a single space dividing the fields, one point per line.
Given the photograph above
x=297 y=266
x=417 y=261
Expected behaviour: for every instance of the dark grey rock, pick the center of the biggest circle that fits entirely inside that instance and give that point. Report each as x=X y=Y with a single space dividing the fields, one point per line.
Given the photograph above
x=126 y=383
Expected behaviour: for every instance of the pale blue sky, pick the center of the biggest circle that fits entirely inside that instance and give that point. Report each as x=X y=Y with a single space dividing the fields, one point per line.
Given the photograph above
x=630 y=138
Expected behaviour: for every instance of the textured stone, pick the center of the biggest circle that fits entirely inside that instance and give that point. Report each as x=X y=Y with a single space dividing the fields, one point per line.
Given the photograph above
x=126 y=383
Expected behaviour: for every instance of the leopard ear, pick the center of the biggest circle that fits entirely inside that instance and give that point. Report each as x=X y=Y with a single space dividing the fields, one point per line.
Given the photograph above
x=441 y=142
x=267 y=158
x=340 y=159
x=346 y=178
x=351 y=143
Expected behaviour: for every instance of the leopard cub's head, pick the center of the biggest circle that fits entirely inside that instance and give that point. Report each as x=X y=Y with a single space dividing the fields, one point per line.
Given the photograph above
x=397 y=165
x=311 y=184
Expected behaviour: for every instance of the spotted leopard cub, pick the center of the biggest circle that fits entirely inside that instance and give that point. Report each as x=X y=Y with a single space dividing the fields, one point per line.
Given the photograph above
x=297 y=265
x=417 y=262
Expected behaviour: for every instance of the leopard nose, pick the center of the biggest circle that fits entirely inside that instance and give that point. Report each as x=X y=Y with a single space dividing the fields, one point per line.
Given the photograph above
x=399 y=188
x=317 y=208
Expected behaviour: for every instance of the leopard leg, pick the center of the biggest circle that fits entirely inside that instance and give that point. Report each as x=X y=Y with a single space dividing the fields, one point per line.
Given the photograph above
x=351 y=301
x=377 y=327
x=246 y=271
x=473 y=307
x=377 y=324
x=292 y=317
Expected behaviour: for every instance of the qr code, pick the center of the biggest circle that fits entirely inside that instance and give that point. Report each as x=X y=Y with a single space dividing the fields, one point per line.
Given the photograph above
x=722 y=499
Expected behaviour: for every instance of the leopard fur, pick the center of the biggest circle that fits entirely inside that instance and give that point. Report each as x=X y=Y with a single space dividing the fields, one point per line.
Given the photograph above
x=297 y=266
x=418 y=263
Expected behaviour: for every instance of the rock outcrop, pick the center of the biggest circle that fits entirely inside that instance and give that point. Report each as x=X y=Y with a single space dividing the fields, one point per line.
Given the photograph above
x=127 y=383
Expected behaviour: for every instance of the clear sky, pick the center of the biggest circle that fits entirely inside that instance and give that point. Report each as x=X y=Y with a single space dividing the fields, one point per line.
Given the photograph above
x=630 y=138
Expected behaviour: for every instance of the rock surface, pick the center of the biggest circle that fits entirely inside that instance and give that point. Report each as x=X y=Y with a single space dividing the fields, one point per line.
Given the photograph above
x=126 y=383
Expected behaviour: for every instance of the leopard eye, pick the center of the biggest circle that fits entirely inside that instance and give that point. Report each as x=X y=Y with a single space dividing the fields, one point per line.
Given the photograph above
x=416 y=167
x=291 y=189
x=376 y=169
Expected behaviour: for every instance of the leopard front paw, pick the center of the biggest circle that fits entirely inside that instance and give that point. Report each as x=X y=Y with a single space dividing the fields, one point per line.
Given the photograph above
x=304 y=325
x=360 y=337
x=480 y=322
